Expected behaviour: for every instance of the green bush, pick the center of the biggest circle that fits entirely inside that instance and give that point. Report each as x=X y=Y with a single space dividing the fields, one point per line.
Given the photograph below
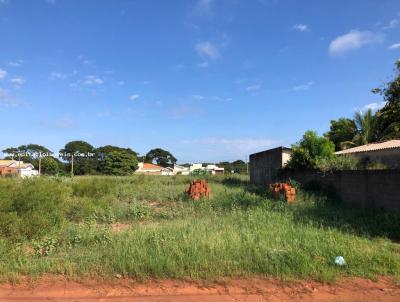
x=30 y=208
x=310 y=150
x=337 y=163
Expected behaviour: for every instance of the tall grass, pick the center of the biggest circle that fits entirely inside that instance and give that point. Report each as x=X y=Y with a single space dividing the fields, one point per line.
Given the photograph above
x=238 y=232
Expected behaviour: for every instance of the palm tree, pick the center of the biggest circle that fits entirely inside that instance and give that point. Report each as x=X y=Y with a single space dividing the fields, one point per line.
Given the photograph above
x=365 y=123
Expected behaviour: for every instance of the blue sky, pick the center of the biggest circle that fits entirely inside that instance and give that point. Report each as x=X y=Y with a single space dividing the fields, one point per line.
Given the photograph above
x=209 y=80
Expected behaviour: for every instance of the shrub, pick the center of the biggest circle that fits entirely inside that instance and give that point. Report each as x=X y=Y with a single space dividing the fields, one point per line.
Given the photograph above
x=30 y=208
x=310 y=150
x=337 y=163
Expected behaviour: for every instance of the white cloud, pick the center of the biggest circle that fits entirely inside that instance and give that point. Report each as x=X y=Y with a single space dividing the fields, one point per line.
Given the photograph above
x=198 y=97
x=15 y=63
x=220 y=99
x=301 y=27
x=93 y=80
x=204 y=7
x=134 y=97
x=394 y=46
x=392 y=24
x=305 y=86
x=207 y=50
x=177 y=67
x=3 y=74
x=203 y=64
x=374 y=106
x=7 y=100
x=17 y=81
x=253 y=87
x=353 y=40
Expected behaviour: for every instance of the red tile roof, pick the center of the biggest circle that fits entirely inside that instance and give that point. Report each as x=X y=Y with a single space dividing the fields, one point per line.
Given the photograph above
x=147 y=166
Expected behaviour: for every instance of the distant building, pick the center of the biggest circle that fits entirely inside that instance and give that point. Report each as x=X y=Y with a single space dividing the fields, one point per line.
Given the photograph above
x=212 y=169
x=151 y=169
x=387 y=153
x=264 y=166
x=17 y=167
x=181 y=170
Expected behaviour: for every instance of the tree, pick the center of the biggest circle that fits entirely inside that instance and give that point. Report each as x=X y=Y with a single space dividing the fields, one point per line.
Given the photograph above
x=388 y=118
x=310 y=150
x=27 y=153
x=119 y=163
x=83 y=154
x=239 y=166
x=49 y=166
x=365 y=123
x=102 y=151
x=341 y=131
x=161 y=157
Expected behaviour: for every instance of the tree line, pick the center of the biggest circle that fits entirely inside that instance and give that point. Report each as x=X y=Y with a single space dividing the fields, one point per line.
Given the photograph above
x=82 y=158
x=317 y=152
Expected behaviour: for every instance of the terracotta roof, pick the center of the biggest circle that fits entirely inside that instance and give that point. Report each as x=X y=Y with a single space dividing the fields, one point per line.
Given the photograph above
x=395 y=143
x=147 y=166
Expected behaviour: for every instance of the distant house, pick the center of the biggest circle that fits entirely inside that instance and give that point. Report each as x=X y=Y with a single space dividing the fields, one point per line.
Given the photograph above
x=151 y=169
x=181 y=170
x=17 y=167
x=387 y=153
x=8 y=171
x=212 y=169
x=264 y=166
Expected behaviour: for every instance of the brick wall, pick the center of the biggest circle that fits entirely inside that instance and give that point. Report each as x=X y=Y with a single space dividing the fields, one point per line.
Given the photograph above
x=264 y=166
x=375 y=189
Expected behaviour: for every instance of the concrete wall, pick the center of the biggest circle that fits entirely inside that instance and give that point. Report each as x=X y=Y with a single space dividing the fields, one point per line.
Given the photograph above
x=388 y=157
x=265 y=165
x=374 y=189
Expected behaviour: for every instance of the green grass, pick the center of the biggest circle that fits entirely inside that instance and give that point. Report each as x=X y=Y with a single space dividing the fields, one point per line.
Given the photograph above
x=64 y=226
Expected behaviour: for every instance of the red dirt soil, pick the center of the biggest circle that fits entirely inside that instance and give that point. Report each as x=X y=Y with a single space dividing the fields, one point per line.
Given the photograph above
x=56 y=289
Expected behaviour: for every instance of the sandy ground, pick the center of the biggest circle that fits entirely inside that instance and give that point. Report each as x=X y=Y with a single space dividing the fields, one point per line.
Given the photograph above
x=56 y=289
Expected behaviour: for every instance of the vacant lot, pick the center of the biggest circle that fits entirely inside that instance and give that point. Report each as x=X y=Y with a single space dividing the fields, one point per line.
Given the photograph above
x=144 y=227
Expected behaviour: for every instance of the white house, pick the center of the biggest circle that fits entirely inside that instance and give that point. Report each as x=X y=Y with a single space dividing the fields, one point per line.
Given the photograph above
x=212 y=169
x=181 y=170
x=151 y=169
x=23 y=169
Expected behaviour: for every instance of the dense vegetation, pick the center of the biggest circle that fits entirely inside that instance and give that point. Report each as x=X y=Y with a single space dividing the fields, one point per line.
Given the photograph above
x=367 y=127
x=143 y=226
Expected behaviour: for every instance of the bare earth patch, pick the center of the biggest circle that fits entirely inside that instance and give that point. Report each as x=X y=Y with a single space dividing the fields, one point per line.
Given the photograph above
x=119 y=227
x=122 y=290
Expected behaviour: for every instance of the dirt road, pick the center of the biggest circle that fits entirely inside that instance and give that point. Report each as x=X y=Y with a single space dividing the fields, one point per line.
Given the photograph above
x=51 y=289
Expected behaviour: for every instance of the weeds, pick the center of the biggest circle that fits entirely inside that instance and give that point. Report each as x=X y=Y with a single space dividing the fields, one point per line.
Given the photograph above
x=61 y=225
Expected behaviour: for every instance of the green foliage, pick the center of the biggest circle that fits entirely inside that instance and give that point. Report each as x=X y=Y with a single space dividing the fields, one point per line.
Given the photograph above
x=310 y=150
x=238 y=232
x=199 y=173
x=341 y=130
x=83 y=162
x=365 y=127
x=49 y=166
x=30 y=208
x=388 y=118
x=337 y=163
x=161 y=157
x=119 y=163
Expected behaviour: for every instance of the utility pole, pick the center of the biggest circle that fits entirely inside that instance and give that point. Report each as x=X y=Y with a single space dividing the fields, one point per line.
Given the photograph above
x=40 y=162
x=72 y=166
